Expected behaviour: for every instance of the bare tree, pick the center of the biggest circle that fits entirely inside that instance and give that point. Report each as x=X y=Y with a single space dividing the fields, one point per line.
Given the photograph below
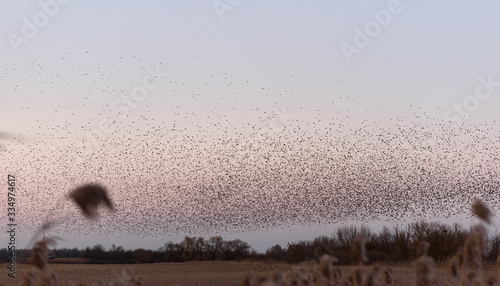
x=241 y=248
x=214 y=246
x=200 y=247
x=228 y=248
x=188 y=245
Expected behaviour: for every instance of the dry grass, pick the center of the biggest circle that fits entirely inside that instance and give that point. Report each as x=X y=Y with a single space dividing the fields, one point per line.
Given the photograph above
x=212 y=273
x=188 y=273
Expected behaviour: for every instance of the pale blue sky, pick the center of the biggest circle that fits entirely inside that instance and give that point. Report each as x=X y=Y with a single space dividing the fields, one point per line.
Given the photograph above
x=430 y=54
x=235 y=71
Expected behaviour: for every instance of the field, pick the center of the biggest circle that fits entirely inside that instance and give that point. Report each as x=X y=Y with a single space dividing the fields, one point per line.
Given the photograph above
x=204 y=273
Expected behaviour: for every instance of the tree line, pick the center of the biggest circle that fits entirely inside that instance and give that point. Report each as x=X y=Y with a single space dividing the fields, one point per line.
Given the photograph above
x=391 y=245
x=189 y=249
x=396 y=244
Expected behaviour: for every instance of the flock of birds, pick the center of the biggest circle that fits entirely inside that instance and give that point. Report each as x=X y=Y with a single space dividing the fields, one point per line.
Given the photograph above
x=202 y=169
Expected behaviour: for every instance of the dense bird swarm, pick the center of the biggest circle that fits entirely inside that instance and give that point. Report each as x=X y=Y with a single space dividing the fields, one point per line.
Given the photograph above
x=211 y=165
x=163 y=186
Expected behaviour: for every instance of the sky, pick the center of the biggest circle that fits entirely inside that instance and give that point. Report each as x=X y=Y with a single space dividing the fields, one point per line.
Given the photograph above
x=269 y=121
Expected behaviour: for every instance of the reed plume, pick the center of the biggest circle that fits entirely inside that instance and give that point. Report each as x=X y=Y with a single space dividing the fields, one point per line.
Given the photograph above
x=387 y=276
x=326 y=269
x=422 y=248
x=358 y=251
x=482 y=211
x=40 y=253
x=89 y=197
x=424 y=271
